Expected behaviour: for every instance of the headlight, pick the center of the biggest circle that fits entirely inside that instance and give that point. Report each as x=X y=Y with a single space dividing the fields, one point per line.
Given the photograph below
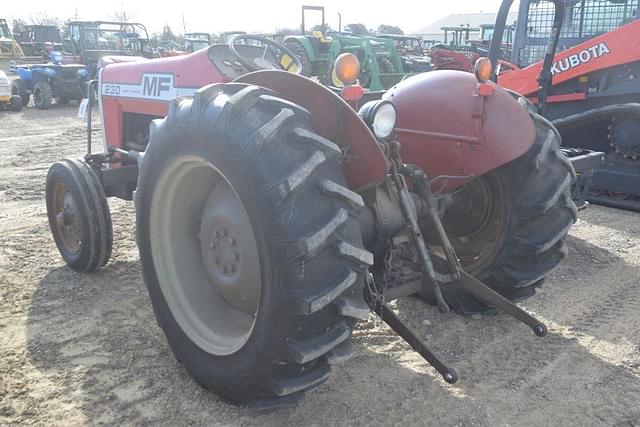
x=380 y=116
x=82 y=72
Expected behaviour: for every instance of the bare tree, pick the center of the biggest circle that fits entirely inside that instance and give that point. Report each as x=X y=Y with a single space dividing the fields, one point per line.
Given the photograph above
x=121 y=16
x=43 y=18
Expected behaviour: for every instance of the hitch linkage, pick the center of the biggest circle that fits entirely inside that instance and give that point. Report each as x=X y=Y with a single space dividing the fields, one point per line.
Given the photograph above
x=437 y=270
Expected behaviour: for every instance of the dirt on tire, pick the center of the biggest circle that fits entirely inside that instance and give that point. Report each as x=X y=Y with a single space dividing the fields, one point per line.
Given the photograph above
x=78 y=348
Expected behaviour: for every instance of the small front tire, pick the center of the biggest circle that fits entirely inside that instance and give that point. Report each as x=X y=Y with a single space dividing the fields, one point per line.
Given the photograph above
x=79 y=215
x=42 y=95
x=18 y=87
x=15 y=103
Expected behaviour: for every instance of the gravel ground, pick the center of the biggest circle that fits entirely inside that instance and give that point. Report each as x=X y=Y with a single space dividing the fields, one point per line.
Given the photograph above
x=85 y=349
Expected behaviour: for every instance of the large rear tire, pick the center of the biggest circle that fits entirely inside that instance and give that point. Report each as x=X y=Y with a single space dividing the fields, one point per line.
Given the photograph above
x=79 y=215
x=250 y=243
x=509 y=227
x=298 y=48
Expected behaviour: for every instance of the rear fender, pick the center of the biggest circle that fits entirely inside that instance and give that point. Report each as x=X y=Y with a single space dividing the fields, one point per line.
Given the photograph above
x=332 y=118
x=24 y=73
x=446 y=128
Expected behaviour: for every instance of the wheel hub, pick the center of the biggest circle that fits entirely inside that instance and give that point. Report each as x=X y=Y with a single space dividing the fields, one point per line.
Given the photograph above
x=475 y=221
x=224 y=249
x=67 y=219
x=205 y=255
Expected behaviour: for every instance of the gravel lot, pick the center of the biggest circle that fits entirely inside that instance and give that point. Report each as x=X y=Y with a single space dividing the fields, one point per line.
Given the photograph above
x=85 y=349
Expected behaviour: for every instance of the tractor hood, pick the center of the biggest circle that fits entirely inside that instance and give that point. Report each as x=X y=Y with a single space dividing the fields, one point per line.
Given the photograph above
x=448 y=129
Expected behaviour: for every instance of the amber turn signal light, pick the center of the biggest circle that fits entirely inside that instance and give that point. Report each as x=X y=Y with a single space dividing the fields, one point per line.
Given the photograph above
x=347 y=68
x=482 y=69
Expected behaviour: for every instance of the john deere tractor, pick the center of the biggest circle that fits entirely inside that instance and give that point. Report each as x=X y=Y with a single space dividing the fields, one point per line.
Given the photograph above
x=382 y=66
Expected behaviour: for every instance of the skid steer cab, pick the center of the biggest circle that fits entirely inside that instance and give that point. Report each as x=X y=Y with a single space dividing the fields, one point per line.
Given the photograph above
x=271 y=215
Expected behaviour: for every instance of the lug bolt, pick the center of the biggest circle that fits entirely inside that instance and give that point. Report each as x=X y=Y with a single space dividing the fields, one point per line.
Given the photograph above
x=233 y=268
x=236 y=256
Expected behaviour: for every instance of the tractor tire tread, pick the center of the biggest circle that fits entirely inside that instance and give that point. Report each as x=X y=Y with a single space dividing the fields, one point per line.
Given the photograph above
x=296 y=47
x=305 y=351
x=543 y=213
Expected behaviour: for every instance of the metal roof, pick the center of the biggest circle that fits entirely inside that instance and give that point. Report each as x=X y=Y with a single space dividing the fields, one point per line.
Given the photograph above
x=464 y=19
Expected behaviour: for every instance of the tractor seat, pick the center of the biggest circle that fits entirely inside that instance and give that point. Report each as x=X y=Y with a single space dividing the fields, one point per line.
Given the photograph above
x=319 y=45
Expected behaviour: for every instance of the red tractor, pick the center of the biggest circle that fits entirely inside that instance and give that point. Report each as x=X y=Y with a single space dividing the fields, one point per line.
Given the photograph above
x=271 y=215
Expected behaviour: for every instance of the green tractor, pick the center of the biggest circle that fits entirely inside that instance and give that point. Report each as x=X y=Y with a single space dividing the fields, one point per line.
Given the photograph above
x=381 y=65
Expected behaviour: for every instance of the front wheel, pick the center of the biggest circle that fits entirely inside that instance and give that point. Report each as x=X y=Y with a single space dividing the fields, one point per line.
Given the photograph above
x=250 y=243
x=42 y=95
x=15 y=103
x=79 y=215
x=509 y=226
x=19 y=88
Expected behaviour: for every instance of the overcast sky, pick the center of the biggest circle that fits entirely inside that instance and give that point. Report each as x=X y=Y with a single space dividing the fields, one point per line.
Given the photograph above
x=249 y=15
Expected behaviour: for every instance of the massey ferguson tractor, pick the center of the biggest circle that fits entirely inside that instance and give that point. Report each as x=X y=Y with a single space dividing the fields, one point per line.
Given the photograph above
x=271 y=215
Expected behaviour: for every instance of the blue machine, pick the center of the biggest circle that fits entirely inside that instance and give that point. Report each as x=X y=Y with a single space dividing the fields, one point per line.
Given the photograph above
x=53 y=81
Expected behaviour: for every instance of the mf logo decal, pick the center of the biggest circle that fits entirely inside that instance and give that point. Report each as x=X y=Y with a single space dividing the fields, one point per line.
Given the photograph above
x=583 y=57
x=154 y=86
x=157 y=85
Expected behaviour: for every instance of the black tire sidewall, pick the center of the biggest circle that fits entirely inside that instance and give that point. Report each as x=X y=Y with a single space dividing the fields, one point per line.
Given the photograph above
x=59 y=173
x=45 y=94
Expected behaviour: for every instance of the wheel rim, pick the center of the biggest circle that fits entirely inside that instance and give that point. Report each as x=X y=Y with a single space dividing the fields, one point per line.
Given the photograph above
x=475 y=221
x=67 y=219
x=205 y=256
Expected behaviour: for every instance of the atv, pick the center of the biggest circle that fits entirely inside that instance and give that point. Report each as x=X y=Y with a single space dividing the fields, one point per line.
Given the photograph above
x=53 y=81
x=271 y=215
x=8 y=100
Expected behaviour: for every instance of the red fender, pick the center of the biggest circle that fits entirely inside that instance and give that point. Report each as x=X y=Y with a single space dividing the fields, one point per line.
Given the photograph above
x=445 y=127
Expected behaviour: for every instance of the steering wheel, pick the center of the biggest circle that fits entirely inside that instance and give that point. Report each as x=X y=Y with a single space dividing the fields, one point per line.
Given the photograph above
x=277 y=51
